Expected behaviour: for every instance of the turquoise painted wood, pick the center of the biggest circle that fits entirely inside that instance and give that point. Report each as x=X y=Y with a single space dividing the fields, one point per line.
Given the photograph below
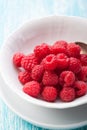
x=13 y=13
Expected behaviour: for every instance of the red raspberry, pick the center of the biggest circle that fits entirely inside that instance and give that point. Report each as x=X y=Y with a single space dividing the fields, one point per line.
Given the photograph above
x=50 y=62
x=80 y=88
x=41 y=50
x=24 y=77
x=32 y=88
x=74 y=65
x=62 y=61
x=28 y=62
x=73 y=50
x=67 y=94
x=67 y=78
x=61 y=42
x=82 y=75
x=17 y=59
x=49 y=78
x=59 y=47
x=37 y=72
x=83 y=59
x=51 y=49
x=49 y=93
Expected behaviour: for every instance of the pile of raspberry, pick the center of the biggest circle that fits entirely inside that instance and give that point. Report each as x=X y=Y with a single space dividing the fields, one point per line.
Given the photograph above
x=53 y=72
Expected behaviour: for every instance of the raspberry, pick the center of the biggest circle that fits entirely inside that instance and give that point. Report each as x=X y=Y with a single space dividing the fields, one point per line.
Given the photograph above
x=24 y=77
x=17 y=59
x=41 y=50
x=67 y=94
x=74 y=65
x=51 y=49
x=49 y=78
x=49 y=93
x=61 y=42
x=82 y=75
x=59 y=47
x=50 y=62
x=28 y=62
x=80 y=88
x=62 y=61
x=83 y=59
x=73 y=50
x=32 y=88
x=67 y=78
x=37 y=72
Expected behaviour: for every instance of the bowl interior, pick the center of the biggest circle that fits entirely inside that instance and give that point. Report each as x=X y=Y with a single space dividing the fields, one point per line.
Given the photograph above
x=47 y=30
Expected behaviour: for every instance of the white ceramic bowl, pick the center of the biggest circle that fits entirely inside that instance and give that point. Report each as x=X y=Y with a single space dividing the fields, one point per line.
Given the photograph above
x=48 y=29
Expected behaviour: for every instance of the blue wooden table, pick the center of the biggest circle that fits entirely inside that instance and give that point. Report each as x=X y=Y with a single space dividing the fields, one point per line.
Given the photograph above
x=13 y=13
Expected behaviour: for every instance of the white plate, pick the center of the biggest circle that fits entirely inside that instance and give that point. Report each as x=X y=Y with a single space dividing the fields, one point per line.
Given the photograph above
x=41 y=116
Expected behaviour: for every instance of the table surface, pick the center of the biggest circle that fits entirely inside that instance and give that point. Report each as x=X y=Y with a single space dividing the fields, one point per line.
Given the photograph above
x=13 y=13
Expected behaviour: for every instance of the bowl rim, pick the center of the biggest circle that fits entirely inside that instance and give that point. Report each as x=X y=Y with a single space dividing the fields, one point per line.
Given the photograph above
x=22 y=94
